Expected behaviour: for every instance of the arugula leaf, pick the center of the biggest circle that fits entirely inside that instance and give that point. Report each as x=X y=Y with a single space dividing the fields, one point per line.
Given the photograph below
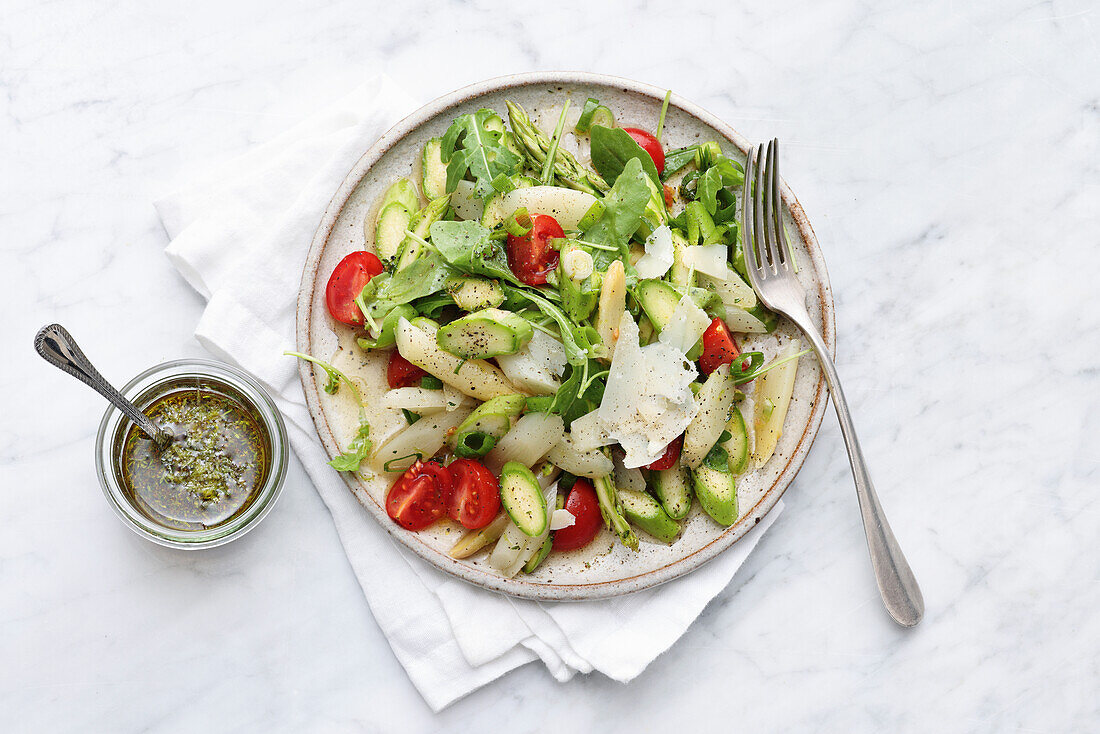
x=575 y=353
x=733 y=174
x=726 y=208
x=425 y=276
x=482 y=152
x=677 y=159
x=708 y=187
x=357 y=450
x=623 y=208
x=388 y=328
x=432 y=306
x=712 y=190
x=360 y=446
x=334 y=375
x=613 y=148
x=579 y=394
x=422 y=277
x=467 y=247
x=748 y=365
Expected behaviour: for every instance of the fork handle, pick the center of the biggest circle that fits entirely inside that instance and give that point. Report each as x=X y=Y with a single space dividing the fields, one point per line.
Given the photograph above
x=896 y=583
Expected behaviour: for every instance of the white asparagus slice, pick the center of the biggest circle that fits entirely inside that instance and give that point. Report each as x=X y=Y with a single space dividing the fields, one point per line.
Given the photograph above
x=612 y=305
x=419 y=400
x=530 y=439
x=424 y=437
x=732 y=290
x=592 y=464
x=514 y=548
x=741 y=321
x=475 y=540
x=715 y=401
x=771 y=398
x=474 y=377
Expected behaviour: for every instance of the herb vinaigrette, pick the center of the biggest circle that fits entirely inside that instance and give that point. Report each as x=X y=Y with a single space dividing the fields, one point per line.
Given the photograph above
x=213 y=469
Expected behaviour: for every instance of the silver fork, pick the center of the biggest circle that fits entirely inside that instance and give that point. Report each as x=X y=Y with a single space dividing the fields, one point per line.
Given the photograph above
x=768 y=262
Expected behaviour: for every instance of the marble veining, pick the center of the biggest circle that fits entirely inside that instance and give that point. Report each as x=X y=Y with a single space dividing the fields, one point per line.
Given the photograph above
x=947 y=157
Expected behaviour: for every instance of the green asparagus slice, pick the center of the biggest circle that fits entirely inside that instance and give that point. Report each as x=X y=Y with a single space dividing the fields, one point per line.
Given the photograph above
x=612 y=512
x=566 y=167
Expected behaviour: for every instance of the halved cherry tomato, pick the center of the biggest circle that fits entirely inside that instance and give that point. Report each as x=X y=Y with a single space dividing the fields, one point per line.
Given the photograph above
x=420 y=496
x=531 y=257
x=346 y=283
x=669 y=457
x=400 y=372
x=719 y=348
x=476 y=498
x=585 y=508
x=649 y=144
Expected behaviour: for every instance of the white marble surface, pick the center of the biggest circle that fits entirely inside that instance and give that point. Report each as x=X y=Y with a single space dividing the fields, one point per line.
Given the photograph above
x=947 y=156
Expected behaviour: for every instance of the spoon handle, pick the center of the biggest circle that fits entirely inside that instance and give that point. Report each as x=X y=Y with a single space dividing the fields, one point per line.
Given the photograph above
x=55 y=345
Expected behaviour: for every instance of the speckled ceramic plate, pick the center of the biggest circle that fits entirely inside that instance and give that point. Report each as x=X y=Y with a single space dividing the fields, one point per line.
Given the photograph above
x=605 y=568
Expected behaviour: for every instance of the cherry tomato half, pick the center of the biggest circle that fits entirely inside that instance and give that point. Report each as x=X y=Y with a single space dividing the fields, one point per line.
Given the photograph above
x=531 y=257
x=649 y=144
x=669 y=457
x=476 y=498
x=400 y=372
x=585 y=508
x=420 y=496
x=346 y=282
x=719 y=348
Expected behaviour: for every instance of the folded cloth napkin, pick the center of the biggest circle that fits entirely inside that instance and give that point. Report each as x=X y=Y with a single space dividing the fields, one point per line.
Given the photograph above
x=240 y=236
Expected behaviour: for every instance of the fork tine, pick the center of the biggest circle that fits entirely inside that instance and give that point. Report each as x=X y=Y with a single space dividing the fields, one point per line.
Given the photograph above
x=771 y=188
x=781 y=240
x=758 y=214
x=748 y=243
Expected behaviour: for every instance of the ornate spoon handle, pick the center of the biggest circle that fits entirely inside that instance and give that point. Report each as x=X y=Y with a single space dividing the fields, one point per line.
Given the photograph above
x=55 y=345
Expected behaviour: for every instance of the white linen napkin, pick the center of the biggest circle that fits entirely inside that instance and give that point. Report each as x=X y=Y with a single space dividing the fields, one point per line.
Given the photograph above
x=240 y=237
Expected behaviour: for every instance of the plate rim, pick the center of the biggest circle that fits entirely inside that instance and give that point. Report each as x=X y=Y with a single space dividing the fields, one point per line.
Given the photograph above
x=473 y=574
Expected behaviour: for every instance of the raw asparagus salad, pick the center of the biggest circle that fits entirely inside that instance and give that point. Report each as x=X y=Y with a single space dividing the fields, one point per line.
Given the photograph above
x=563 y=308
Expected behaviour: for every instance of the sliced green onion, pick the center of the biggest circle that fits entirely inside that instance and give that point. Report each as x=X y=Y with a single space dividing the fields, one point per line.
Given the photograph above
x=519 y=224
x=503 y=183
x=661 y=119
x=584 y=122
x=386 y=467
x=431 y=382
x=592 y=215
x=603 y=117
x=547 y=176
x=474 y=445
x=410 y=416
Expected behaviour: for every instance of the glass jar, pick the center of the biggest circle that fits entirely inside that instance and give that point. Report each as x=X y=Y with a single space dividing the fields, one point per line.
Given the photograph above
x=158 y=382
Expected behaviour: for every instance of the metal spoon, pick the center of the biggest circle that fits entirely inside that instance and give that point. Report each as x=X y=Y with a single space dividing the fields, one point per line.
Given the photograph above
x=55 y=345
